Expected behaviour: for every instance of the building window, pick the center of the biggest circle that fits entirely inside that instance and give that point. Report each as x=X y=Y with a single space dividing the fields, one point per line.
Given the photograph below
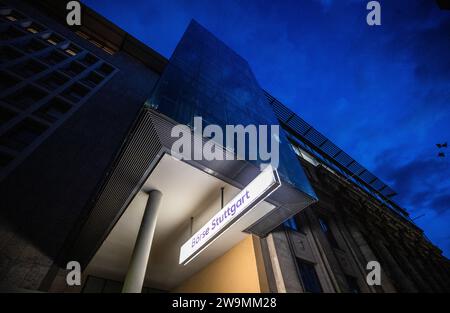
x=53 y=110
x=29 y=68
x=5 y=159
x=52 y=38
x=22 y=135
x=53 y=81
x=7 y=80
x=75 y=93
x=33 y=27
x=92 y=80
x=308 y=173
x=11 y=33
x=8 y=54
x=291 y=224
x=11 y=15
x=25 y=97
x=304 y=155
x=352 y=283
x=101 y=285
x=53 y=58
x=328 y=233
x=93 y=285
x=73 y=69
x=6 y=115
x=309 y=276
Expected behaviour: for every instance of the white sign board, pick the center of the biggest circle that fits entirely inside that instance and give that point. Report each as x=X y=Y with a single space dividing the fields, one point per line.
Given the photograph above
x=258 y=189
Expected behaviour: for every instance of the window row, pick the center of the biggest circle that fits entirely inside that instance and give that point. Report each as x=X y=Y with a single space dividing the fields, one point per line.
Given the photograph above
x=28 y=94
x=306 y=269
x=44 y=78
x=25 y=26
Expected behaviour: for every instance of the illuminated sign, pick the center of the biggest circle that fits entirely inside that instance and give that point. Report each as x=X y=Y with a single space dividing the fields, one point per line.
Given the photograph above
x=256 y=191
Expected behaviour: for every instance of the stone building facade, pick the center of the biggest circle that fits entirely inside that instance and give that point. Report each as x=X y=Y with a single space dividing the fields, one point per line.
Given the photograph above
x=358 y=230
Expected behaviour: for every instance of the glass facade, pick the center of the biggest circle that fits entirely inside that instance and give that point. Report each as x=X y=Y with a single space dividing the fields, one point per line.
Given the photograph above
x=206 y=78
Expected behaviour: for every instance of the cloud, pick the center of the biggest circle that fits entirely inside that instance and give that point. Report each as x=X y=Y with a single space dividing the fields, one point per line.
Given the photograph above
x=441 y=203
x=421 y=183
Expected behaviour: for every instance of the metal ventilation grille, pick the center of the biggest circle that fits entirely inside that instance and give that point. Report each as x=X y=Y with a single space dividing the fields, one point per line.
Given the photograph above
x=323 y=146
x=137 y=157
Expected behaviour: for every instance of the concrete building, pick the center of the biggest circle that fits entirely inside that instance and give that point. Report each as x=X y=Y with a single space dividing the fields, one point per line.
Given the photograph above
x=87 y=174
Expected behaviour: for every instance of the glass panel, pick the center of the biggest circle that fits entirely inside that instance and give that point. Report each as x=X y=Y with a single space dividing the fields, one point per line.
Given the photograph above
x=206 y=78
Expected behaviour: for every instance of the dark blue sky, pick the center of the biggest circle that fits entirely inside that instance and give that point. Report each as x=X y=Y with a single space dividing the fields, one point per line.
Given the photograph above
x=380 y=93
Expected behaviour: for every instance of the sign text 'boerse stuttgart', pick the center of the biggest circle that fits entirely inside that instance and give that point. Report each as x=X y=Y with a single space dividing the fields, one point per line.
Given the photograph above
x=256 y=191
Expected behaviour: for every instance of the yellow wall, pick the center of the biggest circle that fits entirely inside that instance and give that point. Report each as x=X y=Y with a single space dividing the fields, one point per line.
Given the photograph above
x=240 y=269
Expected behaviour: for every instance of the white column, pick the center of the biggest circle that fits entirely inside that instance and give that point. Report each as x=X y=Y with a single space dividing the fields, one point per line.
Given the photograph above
x=141 y=252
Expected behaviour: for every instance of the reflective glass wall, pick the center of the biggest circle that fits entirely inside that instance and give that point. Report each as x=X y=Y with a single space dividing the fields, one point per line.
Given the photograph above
x=206 y=78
